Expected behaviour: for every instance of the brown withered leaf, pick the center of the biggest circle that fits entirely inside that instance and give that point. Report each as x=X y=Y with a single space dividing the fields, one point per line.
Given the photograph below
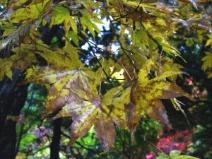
x=160 y=114
x=74 y=94
x=105 y=131
x=174 y=91
x=76 y=97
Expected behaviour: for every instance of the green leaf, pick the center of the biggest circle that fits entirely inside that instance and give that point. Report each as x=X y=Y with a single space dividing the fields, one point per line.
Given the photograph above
x=59 y=14
x=30 y=12
x=177 y=155
x=207 y=64
x=207 y=61
x=9 y=74
x=114 y=102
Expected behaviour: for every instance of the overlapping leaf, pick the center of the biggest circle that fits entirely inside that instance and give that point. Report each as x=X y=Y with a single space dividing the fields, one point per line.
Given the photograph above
x=149 y=91
x=74 y=93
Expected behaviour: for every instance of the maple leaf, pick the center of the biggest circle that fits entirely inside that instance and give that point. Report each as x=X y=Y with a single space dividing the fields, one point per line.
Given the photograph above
x=114 y=102
x=148 y=92
x=73 y=93
x=105 y=131
x=160 y=114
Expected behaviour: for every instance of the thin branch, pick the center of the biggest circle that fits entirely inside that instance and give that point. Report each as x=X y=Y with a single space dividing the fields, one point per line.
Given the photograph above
x=19 y=138
x=125 y=51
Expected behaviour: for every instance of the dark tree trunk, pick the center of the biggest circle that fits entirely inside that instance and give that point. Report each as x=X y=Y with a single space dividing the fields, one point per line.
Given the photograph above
x=12 y=98
x=55 y=145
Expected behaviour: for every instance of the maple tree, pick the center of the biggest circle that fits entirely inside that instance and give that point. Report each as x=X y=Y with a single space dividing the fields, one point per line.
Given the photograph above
x=144 y=67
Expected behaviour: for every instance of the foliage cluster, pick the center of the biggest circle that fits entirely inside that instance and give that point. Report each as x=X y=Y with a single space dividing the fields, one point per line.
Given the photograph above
x=94 y=85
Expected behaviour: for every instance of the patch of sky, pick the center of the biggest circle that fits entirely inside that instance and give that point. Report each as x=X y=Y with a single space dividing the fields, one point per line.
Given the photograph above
x=115 y=47
x=103 y=27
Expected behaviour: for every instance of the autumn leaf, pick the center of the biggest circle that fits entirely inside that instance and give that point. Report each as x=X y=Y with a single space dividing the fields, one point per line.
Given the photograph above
x=114 y=102
x=159 y=113
x=105 y=131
